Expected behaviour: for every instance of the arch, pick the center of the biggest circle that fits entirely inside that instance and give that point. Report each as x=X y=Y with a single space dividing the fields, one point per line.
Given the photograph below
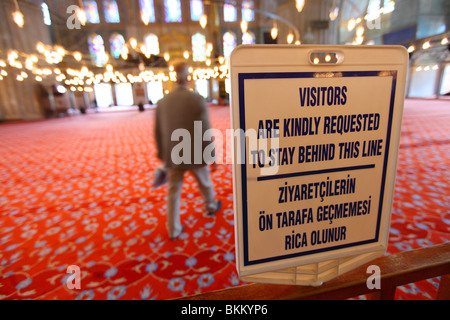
x=116 y=43
x=196 y=10
x=229 y=11
x=198 y=47
x=248 y=38
x=172 y=10
x=111 y=11
x=248 y=12
x=147 y=11
x=91 y=10
x=97 y=49
x=229 y=43
x=152 y=43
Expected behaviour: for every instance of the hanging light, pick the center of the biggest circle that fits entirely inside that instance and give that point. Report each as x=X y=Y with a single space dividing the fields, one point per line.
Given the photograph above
x=40 y=47
x=360 y=31
x=145 y=51
x=411 y=49
x=145 y=17
x=186 y=54
x=166 y=56
x=426 y=45
x=351 y=24
x=299 y=4
x=209 y=48
x=274 y=31
x=244 y=26
x=29 y=64
x=334 y=11
x=18 y=18
x=203 y=21
x=12 y=56
x=444 y=41
x=60 y=50
x=77 y=55
x=18 y=15
x=81 y=14
x=124 y=53
x=358 y=40
x=133 y=43
x=290 y=38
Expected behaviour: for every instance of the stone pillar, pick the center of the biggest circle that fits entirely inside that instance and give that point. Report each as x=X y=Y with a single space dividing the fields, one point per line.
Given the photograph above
x=19 y=100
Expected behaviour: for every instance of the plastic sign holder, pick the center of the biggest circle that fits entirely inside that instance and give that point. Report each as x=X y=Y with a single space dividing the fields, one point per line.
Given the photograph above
x=317 y=132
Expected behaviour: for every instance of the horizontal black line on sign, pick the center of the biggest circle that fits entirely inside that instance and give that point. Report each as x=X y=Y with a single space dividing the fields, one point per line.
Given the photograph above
x=309 y=173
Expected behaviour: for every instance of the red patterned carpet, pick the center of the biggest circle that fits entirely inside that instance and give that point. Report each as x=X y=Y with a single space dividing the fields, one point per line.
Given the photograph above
x=77 y=191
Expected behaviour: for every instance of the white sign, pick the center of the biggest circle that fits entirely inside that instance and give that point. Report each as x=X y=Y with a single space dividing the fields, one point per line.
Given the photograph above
x=317 y=168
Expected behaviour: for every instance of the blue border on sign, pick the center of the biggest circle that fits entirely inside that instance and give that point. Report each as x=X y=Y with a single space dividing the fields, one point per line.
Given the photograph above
x=293 y=75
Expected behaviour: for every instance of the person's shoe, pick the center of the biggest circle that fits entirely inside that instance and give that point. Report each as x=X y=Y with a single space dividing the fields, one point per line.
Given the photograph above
x=174 y=238
x=219 y=205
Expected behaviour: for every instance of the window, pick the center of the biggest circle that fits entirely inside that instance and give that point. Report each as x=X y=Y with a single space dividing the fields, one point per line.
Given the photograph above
x=229 y=43
x=229 y=12
x=228 y=85
x=202 y=87
x=423 y=83
x=103 y=94
x=111 y=11
x=248 y=14
x=445 y=83
x=172 y=9
x=147 y=11
x=198 y=47
x=388 y=6
x=116 y=42
x=97 y=49
x=46 y=14
x=124 y=94
x=155 y=91
x=248 y=38
x=152 y=44
x=196 y=10
x=90 y=8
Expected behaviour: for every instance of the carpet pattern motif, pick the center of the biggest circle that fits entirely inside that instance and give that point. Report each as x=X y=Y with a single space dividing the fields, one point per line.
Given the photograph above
x=78 y=191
